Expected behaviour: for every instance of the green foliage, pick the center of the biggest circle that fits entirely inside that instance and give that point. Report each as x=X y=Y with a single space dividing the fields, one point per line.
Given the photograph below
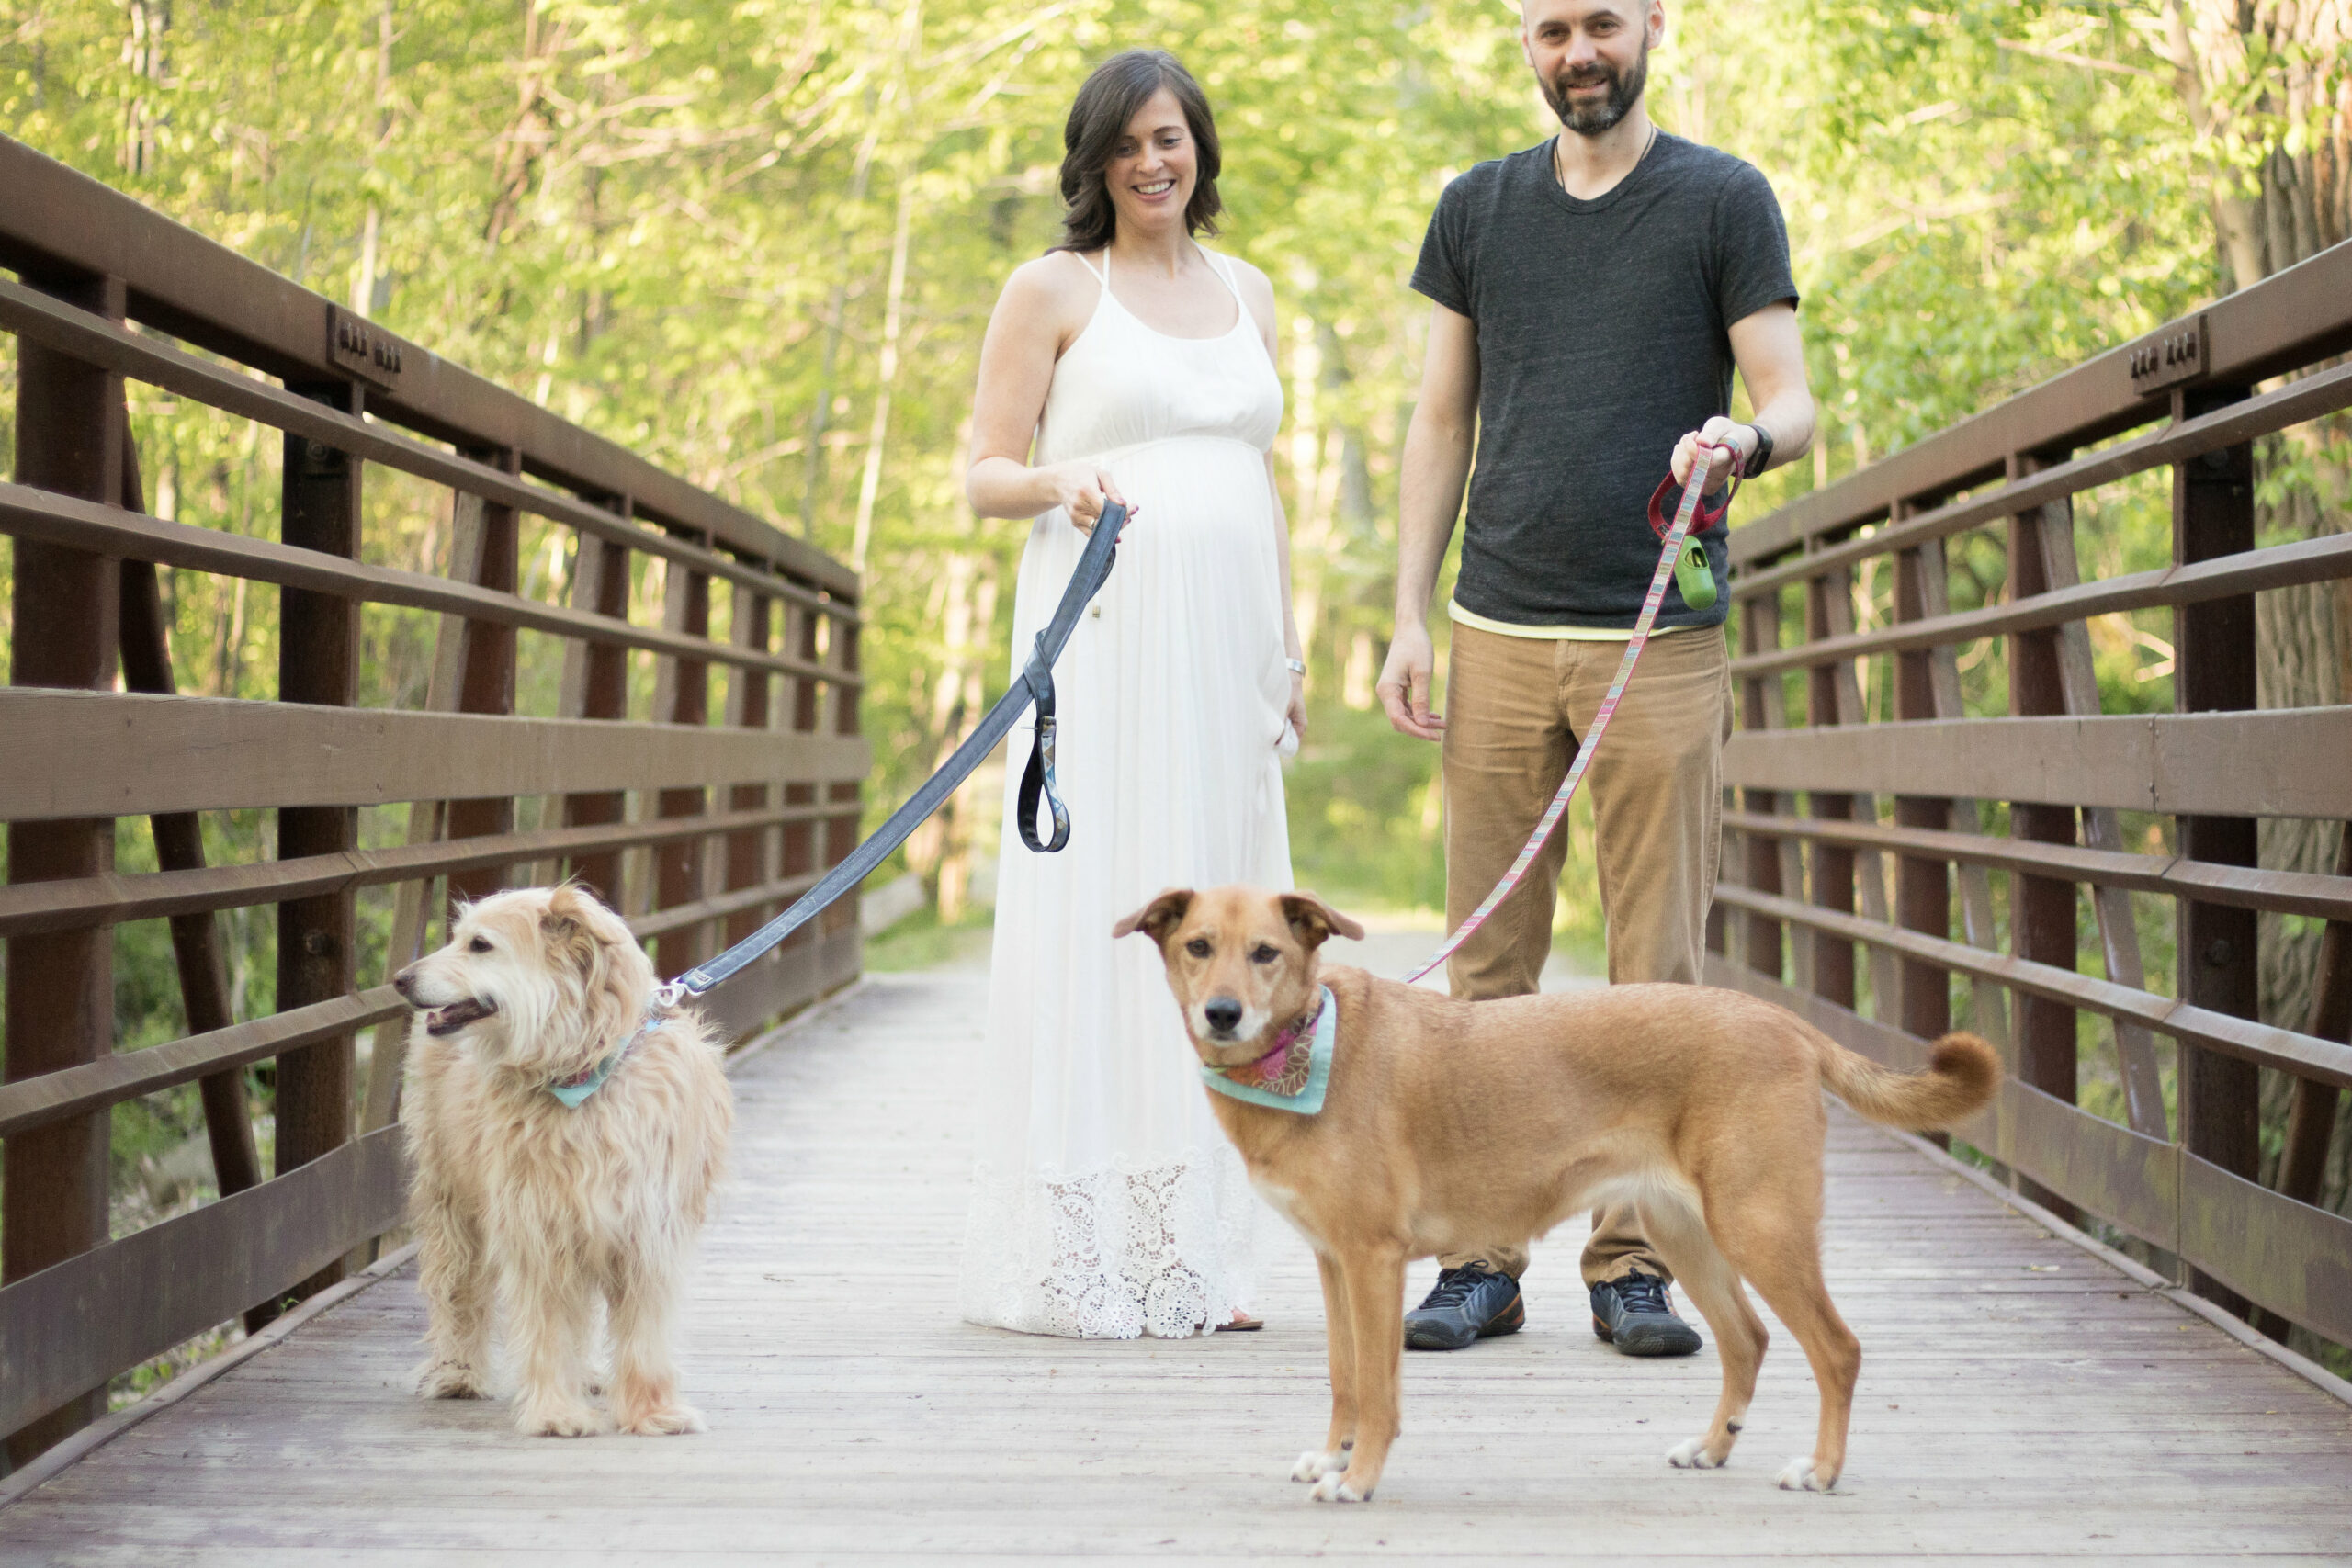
x=676 y=228
x=676 y=225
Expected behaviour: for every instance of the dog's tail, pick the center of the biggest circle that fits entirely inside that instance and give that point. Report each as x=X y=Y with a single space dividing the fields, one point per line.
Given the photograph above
x=1964 y=1072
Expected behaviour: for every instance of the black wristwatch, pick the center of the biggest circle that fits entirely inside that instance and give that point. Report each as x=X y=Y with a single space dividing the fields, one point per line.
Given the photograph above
x=1762 y=457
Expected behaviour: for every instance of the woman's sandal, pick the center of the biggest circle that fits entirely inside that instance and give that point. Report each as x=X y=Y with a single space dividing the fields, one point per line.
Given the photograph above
x=1240 y=1322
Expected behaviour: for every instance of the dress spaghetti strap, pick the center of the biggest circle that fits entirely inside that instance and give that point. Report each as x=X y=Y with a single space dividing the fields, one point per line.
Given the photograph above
x=1223 y=267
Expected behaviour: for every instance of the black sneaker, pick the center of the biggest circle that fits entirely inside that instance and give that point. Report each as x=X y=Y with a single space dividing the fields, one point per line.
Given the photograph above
x=1634 y=1313
x=1468 y=1304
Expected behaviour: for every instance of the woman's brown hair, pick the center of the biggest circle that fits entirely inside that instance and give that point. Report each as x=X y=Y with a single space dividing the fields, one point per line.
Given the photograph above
x=1119 y=87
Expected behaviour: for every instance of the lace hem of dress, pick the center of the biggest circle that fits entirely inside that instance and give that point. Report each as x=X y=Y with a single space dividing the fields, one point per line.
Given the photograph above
x=1166 y=1250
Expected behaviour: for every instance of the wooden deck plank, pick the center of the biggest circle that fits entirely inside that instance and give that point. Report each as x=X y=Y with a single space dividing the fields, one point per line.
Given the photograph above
x=2019 y=1401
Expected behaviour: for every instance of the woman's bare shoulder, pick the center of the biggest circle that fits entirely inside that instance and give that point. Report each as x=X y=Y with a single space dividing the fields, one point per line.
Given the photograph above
x=1057 y=277
x=1054 y=294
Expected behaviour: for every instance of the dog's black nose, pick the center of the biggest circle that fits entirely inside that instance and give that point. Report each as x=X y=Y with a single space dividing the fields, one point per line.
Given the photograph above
x=1223 y=1013
x=405 y=981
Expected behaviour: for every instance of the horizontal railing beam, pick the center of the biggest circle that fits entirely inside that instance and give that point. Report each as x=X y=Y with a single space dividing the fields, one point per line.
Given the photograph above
x=2183 y=763
x=2287 y=1256
x=72 y=1326
x=82 y=753
x=28 y=908
x=2286 y=322
x=2253 y=572
x=2245 y=887
x=62 y=520
x=678 y=917
x=2304 y=1056
x=72 y=1092
x=201 y=291
x=95 y=341
x=808 y=967
x=2233 y=424
x=35 y=1102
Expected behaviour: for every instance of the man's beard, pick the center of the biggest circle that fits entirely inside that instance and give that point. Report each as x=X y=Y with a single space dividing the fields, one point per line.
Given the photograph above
x=1623 y=92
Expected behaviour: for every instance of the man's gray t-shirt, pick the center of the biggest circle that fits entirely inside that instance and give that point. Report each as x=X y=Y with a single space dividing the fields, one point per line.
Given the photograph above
x=1603 y=337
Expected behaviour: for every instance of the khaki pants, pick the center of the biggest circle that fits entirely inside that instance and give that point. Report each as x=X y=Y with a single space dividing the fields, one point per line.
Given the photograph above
x=1514 y=709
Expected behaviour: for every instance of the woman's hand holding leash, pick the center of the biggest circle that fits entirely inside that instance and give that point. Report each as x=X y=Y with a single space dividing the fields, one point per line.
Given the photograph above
x=1082 y=489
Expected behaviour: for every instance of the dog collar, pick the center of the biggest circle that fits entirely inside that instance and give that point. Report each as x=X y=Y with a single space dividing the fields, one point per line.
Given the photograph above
x=1294 y=1075
x=587 y=1081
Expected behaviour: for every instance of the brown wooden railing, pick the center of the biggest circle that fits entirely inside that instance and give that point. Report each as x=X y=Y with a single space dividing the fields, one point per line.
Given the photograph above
x=1827 y=787
x=697 y=823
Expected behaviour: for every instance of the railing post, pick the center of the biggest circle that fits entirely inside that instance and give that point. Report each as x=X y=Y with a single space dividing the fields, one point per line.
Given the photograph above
x=1868 y=881
x=1760 y=706
x=488 y=686
x=747 y=708
x=60 y=997
x=843 y=836
x=1833 y=865
x=1922 y=886
x=800 y=835
x=317 y=661
x=2212 y=509
x=683 y=696
x=2041 y=909
x=1989 y=1015
x=595 y=685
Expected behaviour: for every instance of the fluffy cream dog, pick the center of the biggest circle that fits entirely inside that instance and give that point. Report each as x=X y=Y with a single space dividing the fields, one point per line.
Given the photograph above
x=541 y=1207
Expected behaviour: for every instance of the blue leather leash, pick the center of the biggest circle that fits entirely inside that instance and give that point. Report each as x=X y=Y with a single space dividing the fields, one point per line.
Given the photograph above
x=1035 y=686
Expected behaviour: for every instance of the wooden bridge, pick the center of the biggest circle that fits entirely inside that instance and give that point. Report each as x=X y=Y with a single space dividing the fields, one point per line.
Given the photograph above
x=2077 y=1331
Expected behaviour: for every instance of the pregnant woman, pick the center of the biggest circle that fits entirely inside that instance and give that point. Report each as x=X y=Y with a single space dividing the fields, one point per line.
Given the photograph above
x=1130 y=365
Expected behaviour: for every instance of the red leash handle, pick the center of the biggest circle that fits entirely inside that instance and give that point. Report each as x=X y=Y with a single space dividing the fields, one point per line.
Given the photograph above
x=1705 y=519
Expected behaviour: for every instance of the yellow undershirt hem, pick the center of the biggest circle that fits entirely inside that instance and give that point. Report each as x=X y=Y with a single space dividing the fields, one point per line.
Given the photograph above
x=1554 y=634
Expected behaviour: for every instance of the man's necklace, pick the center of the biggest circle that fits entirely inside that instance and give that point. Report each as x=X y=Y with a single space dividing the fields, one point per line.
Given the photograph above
x=1560 y=175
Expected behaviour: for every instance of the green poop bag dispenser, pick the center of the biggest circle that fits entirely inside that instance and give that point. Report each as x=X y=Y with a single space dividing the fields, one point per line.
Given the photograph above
x=1694 y=576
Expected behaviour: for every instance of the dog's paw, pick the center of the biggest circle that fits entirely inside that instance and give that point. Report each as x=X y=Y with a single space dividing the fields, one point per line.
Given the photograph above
x=1315 y=1464
x=553 y=1420
x=452 y=1379
x=1690 y=1453
x=1799 y=1475
x=1333 y=1488
x=665 y=1421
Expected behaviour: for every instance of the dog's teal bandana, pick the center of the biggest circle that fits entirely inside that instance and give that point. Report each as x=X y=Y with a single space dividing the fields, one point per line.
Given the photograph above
x=581 y=1085
x=1294 y=1074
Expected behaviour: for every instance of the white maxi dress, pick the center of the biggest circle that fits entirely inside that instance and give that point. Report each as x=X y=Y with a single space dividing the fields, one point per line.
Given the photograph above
x=1108 y=1202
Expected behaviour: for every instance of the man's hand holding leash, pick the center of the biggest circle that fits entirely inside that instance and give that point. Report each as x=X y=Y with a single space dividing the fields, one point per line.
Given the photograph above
x=1732 y=449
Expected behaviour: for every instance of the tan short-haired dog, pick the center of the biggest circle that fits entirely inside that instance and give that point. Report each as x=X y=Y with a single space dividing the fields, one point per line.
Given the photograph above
x=1447 y=1124
x=565 y=1141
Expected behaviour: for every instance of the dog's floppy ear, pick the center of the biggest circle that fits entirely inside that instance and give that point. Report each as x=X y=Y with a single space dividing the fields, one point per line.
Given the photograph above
x=1314 y=922
x=566 y=927
x=1158 y=918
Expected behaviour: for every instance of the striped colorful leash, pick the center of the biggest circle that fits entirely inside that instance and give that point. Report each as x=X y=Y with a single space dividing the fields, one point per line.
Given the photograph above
x=1675 y=534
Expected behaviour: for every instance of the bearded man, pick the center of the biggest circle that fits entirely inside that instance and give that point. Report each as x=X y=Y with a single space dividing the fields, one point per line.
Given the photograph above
x=1590 y=299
